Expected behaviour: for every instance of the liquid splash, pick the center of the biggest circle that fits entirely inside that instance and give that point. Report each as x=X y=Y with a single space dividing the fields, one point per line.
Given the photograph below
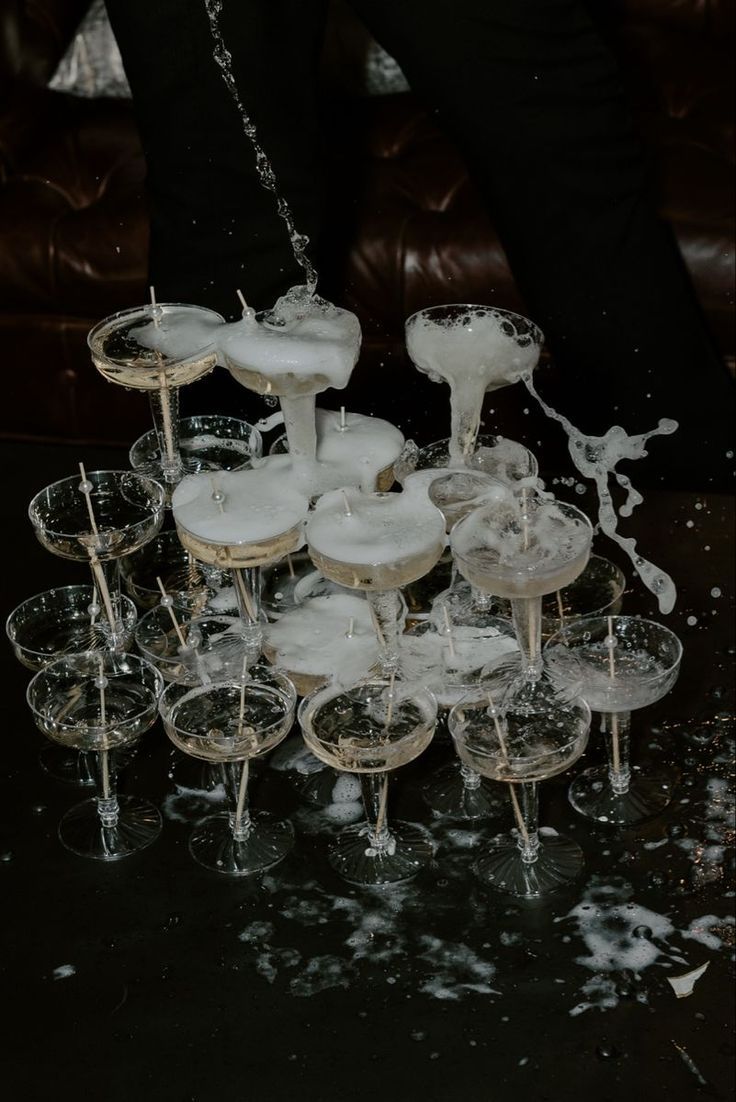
x=223 y=58
x=596 y=457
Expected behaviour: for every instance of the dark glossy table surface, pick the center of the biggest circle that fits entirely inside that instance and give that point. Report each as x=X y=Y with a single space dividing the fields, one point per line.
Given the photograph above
x=150 y=978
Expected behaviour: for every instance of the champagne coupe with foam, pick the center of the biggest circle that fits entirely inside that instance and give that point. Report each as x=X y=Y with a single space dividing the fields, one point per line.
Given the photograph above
x=240 y=521
x=521 y=548
x=158 y=348
x=475 y=349
x=377 y=543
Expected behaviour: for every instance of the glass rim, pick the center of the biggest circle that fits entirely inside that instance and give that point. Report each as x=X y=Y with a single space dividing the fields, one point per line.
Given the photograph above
x=286 y=690
x=187 y=622
x=148 y=307
x=151 y=482
x=582 y=621
x=184 y=421
x=498 y=310
x=509 y=571
x=128 y=602
x=466 y=700
x=332 y=690
x=145 y=665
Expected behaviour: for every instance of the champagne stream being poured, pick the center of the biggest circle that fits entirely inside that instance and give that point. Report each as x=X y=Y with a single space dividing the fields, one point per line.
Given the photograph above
x=223 y=57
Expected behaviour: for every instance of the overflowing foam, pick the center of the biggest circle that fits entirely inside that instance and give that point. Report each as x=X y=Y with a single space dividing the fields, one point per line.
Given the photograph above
x=517 y=549
x=361 y=446
x=304 y=345
x=474 y=349
x=449 y=663
x=329 y=637
x=177 y=332
x=351 y=527
x=596 y=458
x=237 y=507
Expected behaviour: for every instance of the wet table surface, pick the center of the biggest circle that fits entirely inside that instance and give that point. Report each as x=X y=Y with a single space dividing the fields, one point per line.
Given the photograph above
x=152 y=978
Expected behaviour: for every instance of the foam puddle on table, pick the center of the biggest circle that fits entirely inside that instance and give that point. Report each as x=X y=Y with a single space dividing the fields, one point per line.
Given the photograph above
x=305 y=937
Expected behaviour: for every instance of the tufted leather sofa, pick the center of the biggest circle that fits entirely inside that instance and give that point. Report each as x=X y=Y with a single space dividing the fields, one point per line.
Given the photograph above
x=73 y=223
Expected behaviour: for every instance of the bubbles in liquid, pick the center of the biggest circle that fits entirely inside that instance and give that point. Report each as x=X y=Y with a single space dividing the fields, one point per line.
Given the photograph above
x=596 y=457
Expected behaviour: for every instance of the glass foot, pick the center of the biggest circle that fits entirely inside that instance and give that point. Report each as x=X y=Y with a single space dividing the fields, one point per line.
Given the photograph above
x=69 y=766
x=559 y=862
x=592 y=796
x=269 y=840
x=81 y=830
x=447 y=792
x=407 y=850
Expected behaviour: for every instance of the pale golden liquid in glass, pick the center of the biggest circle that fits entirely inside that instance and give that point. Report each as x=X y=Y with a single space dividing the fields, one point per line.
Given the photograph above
x=380 y=577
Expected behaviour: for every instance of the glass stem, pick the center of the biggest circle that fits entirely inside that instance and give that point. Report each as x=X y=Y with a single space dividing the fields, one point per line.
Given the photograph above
x=299 y=422
x=465 y=422
x=165 y=413
x=615 y=727
x=480 y=601
x=247 y=585
x=375 y=796
x=235 y=776
x=106 y=580
x=107 y=800
x=471 y=779
x=526 y=613
x=526 y=814
x=389 y=616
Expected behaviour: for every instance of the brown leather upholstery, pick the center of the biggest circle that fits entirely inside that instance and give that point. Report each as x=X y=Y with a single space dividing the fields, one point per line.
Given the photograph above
x=73 y=225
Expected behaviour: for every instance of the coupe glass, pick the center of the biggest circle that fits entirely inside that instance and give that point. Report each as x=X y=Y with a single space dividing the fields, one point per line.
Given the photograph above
x=497 y=456
x=190 y=583
x=372 y=729
x=475 y=349
x=290 y=582
x=200 y=498
x=192 y=650
x=382 y=579
x=626 y=664
x=522 y=747
x=67 y=620
x=100 y=519
x=99 y=703
x=448 y=660
x=208 y=442
x=314 y=345
x=331 y=425
x=158 y=348
x=229 y=724
x=598 y=591
x=522 y=549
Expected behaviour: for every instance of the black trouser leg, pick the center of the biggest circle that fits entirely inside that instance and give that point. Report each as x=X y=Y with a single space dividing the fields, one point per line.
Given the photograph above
x=213 y=226
x=531 y=93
